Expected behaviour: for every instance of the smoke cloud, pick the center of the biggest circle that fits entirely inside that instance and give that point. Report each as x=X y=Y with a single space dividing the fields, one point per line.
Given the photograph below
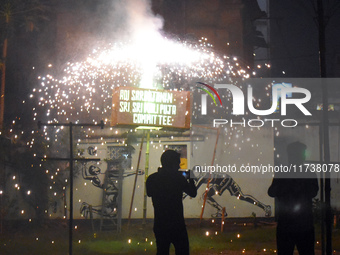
x=133 y=20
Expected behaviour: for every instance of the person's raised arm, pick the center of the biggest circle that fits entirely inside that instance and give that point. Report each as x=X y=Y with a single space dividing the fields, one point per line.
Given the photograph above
x=190 y=187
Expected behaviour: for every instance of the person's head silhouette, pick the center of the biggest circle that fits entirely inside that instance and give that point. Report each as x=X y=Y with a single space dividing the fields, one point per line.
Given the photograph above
x=170 y=159
x=296 y=153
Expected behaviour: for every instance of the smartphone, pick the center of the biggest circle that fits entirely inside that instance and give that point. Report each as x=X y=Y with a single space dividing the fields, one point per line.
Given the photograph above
x=186 y=174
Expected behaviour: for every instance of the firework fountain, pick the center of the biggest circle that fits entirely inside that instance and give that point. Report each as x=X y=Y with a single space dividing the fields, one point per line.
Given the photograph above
x=85 y=89
x=145 y=58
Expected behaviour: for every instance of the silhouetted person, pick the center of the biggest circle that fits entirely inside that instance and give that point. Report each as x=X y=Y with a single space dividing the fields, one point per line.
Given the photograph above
x=294 y=193
x=166 y=188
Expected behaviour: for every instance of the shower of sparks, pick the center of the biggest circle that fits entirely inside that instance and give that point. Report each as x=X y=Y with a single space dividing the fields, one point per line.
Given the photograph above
x=83 y=91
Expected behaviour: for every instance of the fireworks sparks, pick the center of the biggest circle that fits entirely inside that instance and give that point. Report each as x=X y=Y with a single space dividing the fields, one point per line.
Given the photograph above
x=82 y=92
x=84 y=89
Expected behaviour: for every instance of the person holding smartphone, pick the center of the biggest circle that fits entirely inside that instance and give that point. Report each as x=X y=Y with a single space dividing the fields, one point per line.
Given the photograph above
x=166 y=188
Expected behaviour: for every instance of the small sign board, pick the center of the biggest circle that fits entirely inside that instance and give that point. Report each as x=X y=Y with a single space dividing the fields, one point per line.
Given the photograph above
x=149 y=107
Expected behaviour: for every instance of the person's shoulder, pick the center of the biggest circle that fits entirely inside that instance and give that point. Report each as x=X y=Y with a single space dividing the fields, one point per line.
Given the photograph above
x=152 y=176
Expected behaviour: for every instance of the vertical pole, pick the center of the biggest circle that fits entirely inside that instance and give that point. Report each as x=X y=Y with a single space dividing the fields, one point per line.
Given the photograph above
x=71 y=191
x=322 y=194
x=146 y=174
x=208 y=183
x=135 y=182
x=322 y=52
x=70 y=125
x=328 y=212
x=268 y=37
x=322 y=39
x=120 y=197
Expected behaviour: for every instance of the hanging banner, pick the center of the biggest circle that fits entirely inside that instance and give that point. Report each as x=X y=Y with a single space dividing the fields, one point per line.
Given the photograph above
x=149 y=107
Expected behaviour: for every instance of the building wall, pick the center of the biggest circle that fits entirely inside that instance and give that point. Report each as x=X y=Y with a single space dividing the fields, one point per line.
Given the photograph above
x=233 y=147
x=242 y=146
x=238 y=146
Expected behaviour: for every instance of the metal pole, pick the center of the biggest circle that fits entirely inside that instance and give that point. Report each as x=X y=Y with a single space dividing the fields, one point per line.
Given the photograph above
x=146 y=174
x=71 y=159
x=322 y=195
x=208 y=183
x=120 y=197
x=71 y=191
x=322 y=52
x=135 y=182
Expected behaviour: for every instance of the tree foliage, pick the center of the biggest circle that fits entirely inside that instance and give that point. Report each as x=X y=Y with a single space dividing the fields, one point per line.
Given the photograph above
x=14 y=16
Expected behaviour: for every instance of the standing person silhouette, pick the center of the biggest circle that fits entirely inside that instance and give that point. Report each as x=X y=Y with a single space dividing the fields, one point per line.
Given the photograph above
x=166 y=188
x=294 y=193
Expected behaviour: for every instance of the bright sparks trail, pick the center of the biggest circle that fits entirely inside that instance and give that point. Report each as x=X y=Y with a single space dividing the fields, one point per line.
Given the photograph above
x=84 y=91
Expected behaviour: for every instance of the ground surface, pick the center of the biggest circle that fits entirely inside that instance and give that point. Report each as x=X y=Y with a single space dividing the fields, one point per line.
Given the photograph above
x=238 y=237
